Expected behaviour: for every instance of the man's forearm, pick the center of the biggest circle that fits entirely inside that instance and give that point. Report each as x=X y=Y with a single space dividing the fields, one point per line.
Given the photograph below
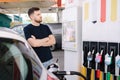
x=43 y=40
x=37 y=42
x=50 y=42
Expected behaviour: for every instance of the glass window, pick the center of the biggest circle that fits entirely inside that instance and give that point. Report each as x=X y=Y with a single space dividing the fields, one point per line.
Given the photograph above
x=16 y=61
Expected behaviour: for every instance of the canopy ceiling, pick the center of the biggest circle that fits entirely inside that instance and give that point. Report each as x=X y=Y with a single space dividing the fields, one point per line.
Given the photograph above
x=21 y=6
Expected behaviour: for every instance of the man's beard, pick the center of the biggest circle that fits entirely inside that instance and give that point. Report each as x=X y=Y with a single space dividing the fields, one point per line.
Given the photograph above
x=38 y=21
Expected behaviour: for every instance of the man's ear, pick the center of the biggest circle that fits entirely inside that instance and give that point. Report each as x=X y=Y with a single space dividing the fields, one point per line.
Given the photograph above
x=31 y=16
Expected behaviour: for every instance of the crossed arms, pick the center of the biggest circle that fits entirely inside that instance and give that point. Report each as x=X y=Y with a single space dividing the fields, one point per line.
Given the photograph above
x=48 y=41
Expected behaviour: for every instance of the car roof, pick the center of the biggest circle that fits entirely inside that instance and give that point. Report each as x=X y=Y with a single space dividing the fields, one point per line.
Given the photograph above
x=9 y=33
x=23 y=25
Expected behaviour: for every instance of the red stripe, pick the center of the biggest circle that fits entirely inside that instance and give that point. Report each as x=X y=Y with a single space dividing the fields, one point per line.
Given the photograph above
x=59 y=3
x=103 y=10
x=98 y=73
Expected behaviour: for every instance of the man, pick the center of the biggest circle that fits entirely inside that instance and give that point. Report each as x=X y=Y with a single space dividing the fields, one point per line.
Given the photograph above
x=39 y=36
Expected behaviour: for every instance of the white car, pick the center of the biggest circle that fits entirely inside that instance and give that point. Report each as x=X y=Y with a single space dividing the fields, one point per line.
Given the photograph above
x=18 y=61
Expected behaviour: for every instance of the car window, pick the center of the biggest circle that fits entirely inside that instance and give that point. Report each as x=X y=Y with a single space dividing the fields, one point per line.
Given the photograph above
x=28 y=52
x=15 y=63
x=19 y=29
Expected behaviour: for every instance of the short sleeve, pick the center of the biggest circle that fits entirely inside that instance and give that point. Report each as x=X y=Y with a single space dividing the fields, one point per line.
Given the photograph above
x=27 y=33
x=48 y=30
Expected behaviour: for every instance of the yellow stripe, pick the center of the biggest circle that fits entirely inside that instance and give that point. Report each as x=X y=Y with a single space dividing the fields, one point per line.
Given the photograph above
x=111 y=77
x=83 y=71
x=101 y=75
x=92 y=74
x=86 y=11
x=113 y=10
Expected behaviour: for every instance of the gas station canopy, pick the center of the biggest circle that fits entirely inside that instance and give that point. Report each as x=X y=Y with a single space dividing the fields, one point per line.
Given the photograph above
x=21 y=6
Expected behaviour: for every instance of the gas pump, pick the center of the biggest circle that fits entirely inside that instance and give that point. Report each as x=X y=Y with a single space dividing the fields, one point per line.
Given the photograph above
x=98 y=59
x=86 y=50
x=108 y=61
x=118 y=63
x=103 y=51
x=90 y=69
x=117 y=66
x=100 y=30
x=90 y=57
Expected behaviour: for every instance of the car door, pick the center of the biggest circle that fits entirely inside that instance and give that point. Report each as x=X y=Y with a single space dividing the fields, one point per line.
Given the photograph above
x=18 y=61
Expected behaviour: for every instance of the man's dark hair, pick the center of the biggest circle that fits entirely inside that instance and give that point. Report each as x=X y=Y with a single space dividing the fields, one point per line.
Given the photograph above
x=31 y=10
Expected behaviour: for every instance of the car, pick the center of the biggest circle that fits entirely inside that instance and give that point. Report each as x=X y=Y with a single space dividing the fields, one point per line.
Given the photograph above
x=56 y=29
x=18 y=61
x=19 y=28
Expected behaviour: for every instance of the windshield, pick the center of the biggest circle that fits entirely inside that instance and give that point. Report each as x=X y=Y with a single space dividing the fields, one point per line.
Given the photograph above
x=16 y=62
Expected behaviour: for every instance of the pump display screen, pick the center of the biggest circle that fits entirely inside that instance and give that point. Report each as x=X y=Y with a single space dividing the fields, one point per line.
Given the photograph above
x=69 y=31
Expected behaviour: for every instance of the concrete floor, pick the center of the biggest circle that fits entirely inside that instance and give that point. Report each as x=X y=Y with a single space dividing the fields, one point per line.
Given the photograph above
x=59 y=54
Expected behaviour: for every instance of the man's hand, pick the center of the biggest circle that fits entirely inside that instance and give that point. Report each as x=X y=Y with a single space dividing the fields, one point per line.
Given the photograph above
x=50 y=42
x=33 y=37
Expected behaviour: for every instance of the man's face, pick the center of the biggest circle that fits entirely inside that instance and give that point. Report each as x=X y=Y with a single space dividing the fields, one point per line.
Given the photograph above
x=36 y=16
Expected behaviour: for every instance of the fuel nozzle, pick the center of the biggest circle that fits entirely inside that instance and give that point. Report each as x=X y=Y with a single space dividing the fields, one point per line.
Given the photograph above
x=117 y=64
x=118 y=60
x=90 y=55
x=101 y=52
x=108 y=58
x=98 y=57
x=53 y=67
